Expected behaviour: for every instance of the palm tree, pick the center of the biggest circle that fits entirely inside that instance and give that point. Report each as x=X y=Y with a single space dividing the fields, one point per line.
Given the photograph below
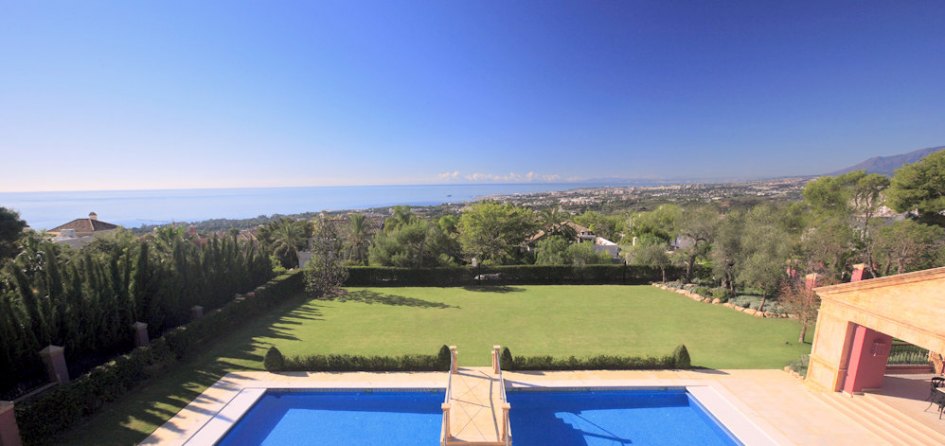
x=359 y=237
x=284 y=238
x=554 y=221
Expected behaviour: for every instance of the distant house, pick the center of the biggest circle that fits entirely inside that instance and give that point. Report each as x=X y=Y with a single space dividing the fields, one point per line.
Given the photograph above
x=81 y=231
x=582 y=234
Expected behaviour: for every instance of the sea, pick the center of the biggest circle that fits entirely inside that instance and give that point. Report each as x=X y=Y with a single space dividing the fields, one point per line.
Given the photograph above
x=134 y=208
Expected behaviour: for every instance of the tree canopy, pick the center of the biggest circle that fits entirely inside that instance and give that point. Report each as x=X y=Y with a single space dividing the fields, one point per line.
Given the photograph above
x=920 y=187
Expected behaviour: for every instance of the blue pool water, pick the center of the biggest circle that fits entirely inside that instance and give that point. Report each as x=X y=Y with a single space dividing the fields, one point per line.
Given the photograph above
x=612 y=418
x=340 y=418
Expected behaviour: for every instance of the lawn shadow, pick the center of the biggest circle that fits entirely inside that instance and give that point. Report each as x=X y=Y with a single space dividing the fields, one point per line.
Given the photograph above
x=134 y=415
x=501 y=289
x=371 y=297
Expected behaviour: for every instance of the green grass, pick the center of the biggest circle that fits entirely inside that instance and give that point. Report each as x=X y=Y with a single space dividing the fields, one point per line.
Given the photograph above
x=531 y=320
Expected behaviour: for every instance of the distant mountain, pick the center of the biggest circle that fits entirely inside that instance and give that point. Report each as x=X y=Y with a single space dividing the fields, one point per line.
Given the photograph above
x=886 y=165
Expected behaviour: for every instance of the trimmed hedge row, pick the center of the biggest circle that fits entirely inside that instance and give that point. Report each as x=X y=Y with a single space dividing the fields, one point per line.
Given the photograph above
x=678 y=360
x=508 y=275
x=42 y=417
x=276 y=362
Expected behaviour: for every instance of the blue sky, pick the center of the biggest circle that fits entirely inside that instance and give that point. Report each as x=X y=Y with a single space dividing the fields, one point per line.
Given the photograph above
x=128 y=95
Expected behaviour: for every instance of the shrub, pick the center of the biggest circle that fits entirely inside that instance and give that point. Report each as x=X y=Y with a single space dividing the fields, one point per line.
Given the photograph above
x=720 y=293
x=506 y=361
x=274 y=361
x=507 y=275
x=602 y=362
x=800 y=365
x=681 y=357
x=354 y=363
x=444 y=357
x=702 y=291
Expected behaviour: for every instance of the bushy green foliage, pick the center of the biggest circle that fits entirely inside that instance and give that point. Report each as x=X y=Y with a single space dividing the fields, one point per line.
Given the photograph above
x=493 y=231
x=356 y=363
x=584 y=254
x=506 y=361
x=921 y=187
x=602 y=362
x=507 y=275
x=274 y=361
x=681 y=357
x=53 y=411
x=86 y=300
x=720 y=293
x=444 y=357
x=552 y=250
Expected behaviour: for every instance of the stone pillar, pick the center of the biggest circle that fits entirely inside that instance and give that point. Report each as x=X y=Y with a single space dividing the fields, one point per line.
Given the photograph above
x=453 y=360
x=9 y=432
x=858 y=270
x=810 y=281
x=867 y=363
x=495 y=358
x=141 y=334
x=54 y=357
x=196 y=312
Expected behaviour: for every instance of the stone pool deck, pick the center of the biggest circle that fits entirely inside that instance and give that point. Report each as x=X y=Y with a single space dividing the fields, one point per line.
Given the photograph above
x=758 y=406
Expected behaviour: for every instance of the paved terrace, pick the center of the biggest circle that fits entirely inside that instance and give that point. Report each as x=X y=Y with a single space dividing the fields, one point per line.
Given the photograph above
x=768 y=401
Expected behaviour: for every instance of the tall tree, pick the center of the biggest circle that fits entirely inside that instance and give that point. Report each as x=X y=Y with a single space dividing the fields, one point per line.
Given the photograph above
x=651 y=253
x=766 y=247
x=699 y=225
x=659 y=224
x=325 y=273
x=359 y=238
x=495 y=232
x=552 y=250
x=11 y=228
x=908 y=245
x=284 y=238
x=727 y=250
x=920 y=187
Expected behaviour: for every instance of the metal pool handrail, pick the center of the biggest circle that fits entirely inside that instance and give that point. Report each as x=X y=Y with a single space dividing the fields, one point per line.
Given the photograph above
x=506 y=407
x=446 y=400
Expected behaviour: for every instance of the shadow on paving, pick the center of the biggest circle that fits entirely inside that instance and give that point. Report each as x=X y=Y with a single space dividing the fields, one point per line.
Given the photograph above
x=371 y=297
x=132 y=417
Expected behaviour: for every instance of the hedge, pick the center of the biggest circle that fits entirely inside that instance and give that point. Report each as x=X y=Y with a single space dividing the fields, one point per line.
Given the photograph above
x=678 y=360
x=508 y=275
x=355 y=363
x=42 y=417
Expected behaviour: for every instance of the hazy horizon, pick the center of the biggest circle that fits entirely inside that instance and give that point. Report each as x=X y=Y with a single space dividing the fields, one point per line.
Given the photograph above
x=216 y=95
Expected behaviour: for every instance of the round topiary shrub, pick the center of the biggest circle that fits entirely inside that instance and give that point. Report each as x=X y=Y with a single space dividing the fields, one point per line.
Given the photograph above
x=274 y=361
x=443 y=358
x=505 y=359
x=681 y=357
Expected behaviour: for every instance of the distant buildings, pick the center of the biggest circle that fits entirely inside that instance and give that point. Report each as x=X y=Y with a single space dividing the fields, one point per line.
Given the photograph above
x=81 y=231
x=582 y=234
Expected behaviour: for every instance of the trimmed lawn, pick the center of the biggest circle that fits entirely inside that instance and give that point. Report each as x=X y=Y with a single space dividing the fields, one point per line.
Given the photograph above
x=530 y=320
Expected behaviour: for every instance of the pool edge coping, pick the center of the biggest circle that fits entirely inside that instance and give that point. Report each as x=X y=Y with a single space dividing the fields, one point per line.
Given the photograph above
x=245 y=389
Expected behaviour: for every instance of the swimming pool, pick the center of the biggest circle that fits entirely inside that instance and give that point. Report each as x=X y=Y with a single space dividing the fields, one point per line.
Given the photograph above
x=545 y=417
x=613 y=417
x=340 y=418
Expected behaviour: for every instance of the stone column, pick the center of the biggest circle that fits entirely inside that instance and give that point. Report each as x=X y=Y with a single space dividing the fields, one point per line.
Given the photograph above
x=9 y=432
x=55 y=359
x=453 y=360
x=140 y=334
x=196 y=312
x=495 y=358
x=858 y=271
